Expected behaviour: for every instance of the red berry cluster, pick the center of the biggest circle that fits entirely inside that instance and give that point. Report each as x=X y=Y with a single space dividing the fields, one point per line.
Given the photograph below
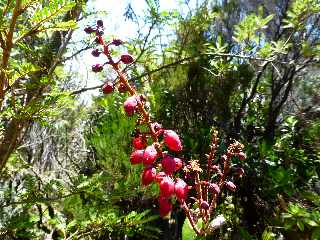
x=156 y=148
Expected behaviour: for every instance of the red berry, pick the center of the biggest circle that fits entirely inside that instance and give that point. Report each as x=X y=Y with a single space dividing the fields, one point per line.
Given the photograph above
x=139 y=142
x=181 y=190
x=148 y=175
x=97 y=68
x=108 y=88
x=126 y=58
x=214 y=188
x=89 y=30
x=172 y=140
x=130 y=105
x=160 y=176
x=178 y=163
x=165 y=206
x=136 y=156
x=166 y=187
x=205 y=205
x=150 y=155
x=122 y=88
x=117 y=42
x=230 y=186
x=168 y=164
x=100 y=23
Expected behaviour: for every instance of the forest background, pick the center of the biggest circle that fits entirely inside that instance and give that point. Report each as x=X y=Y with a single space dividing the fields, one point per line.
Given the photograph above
x=247 y=68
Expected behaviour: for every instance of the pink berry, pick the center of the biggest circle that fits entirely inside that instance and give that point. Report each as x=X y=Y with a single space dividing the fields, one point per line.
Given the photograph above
x=172 y=140
x=181 y=190
x=230 y=186
x=214 y=188
x=148 y=175
x=178 y=163
x=122 y=88
x=168 y=164
x=136 y=156
x=130 y=105
x=107 y=88
x=97 y=68
x=166 y=187
x=126 y=58
x=139 y=142
x=150 y=155
x=165 y=206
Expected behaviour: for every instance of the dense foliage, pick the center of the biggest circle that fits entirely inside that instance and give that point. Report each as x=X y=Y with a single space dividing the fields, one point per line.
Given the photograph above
x=247 y=68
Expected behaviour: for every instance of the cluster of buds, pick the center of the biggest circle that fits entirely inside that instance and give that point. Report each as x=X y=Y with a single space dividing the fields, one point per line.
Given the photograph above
x=157 y=149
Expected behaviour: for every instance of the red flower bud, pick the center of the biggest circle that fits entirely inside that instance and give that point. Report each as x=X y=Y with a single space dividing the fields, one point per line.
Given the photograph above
x=181 y=190
x=242 y=156
x=130 y=105
x=126 y=58
x=204 y=205
x=166 y=187
x=150 y=155
x=238 y=172
x=136 y=156
x=139 y=142
x=160 y=176
x=148 y=175
x=116 y=42
x=89 y=30
x=214 y=188
x=122 y=88
x=165 y=206
x=95 y=52
x=172 y=140
x=230 y=186
x=168 y=164
x=97 y=68
x=178 y=162
x=107 y=88
x=100 y=23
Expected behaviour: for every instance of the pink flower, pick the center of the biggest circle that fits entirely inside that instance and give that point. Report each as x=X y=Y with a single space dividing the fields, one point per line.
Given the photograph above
x=168 y=164
x=166 y=187
x=150 y=155
x=148 y=175
x=165 y=206
x=136 y=157
x=130 y=105
x=230 y=186
x=181 y=190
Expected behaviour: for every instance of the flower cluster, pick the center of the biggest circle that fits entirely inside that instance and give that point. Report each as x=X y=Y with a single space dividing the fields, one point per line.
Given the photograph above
x=158 y=149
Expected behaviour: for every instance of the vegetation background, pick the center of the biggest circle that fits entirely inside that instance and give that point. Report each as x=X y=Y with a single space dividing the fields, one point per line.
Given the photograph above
x=250 y=68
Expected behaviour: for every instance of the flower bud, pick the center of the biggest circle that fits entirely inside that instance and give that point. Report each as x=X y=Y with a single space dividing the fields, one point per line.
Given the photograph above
x=166 y=187
x=122 y=88
x=150 y=155
x=214 y=188
x=117 y=42
x=238 y=172
x=126 y=58
x=178 y=163
x=165 y=206
x=242 y=156
x=160 y=176
x=230 y=185
x=89 y=30
x=107 y=88
x=95 y=52
x=100 y=23
x=97 y=68
x=139 y=142
x=181 y=190
x=204 y=205
x=148 y=175
x=130 y=105
x=172 y=140
x=136 y=156
x=168 y=164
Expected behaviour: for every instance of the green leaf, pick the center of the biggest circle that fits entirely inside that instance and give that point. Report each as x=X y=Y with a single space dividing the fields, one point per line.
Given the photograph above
x=187 y=231
x=300 y=225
